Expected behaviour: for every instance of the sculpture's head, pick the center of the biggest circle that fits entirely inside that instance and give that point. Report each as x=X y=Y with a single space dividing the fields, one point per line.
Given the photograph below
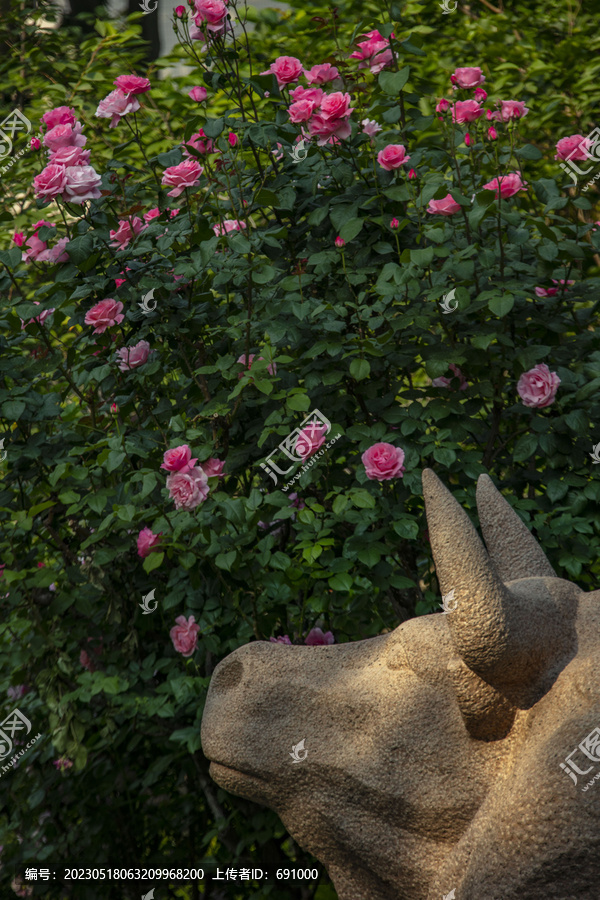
x=410 y=737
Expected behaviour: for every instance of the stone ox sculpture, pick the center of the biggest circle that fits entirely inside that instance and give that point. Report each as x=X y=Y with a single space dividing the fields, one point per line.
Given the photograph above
x=434 y=752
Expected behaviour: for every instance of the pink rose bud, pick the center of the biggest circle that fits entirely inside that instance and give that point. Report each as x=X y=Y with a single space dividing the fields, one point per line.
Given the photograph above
x=340 y=242
x=35 y=143
x=233 y=139
x=468 y=139
x=197 y=93
x=480 y=95
x=114 y=409
x=492 y=133
x=179 y=11
x=19 y=238
x=442 y=105
x=412 y=174
x=394 y=224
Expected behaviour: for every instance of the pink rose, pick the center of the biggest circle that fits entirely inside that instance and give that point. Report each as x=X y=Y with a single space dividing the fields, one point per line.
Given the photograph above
x=178 y=459
x=199 y=142
x=188 y=489
x=552 y=292
x=184 y=635
x=57 y=253
x=271 y=368
x=447 y=206
x=186 y=174
x=39 y=319
x=392 y=157
x=383 y=461
x=442 y=105
x=132 y=84
x=512 y=109
x=213 y=467
x=104 y=315
x=466 y=111
x=296 y=501
x=375 y=52
x=83 y=183
x=509 y=185
x=125 y=233
x=286 y=70
x=445 y=382
x=469 y=77
x=19 y=238
x=211 y=13
x=370 y=127
x=332 y=118
x=150 y=215
x=35 y=143
x=64 y=136
x=116 y=105
x=574 y=147
x=227 y=226
x=133 y=357
x=492 y=134
x=180 y=11
x=232 y=139
x=284 y=639
x=315 y=637
x=310 y=439
x=480 y=95
x=321 y=74
x=538 y=386
x=147 y=542
x=198 y=94
x=314 y=94
x=301 y=111
x=70 y=156
x=60 y=115
x=50 y=182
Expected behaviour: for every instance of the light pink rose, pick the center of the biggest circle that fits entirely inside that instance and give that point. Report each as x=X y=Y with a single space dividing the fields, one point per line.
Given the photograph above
x=178 y=459
x=64 y=136
x=321 y=74
x=310 y=439
x=574 y=147
x=198 y=94
x=315 y=638
x=375 y=52
x=57 y=253
x=271 y=368
x=370 y=127
x=133 y=357
x=188 y=489
x=286 y=70
x=150 y=215
x=296 y=501
x=199 y=142
x=186 y=174
x=313 y=94
x=468 y=77
x=392 y=157
x=284 y=639
x=447 y=206
x=132 y=84
x=211 y=13
x=36 y=246
x=227 y=226
x=445 y=382
x=512 y=109
x=213 y=467
x=147 y=542
x=509 y=185
x=41 y=318
x=50 y=182
x=104 y=315
x=60 y=115
x=301 y=111
x=184 y=635
x=83 y=183
x=383 y=461
x=42 y=253
x=552 y=292
x=466 y=111
x=442 y=105
x=126 y=232
x=538 y=386
x=116 y=105
x=70 y=156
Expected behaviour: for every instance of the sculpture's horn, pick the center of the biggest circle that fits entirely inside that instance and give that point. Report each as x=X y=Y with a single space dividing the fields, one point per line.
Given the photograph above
x=491 y=629
x=514 y=550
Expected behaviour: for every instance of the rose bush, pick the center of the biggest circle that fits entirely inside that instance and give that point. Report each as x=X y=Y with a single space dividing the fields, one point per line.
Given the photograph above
x=283 y=283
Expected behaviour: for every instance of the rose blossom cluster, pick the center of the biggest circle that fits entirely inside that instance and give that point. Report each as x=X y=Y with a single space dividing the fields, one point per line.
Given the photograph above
x=315 y=638
x=68 y=174
x=187 y=483
x=123 y=99
x=38 y=250
x=210 y=19
x=327 y=115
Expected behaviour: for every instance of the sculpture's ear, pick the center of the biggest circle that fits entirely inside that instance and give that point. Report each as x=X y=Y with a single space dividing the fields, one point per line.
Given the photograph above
x=512 y=547
x=488 y=716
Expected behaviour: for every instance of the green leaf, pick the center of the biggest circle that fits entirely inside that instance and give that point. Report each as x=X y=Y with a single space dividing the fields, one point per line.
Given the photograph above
x=350 y=230
x=362 y=499
x=340 y=582
x=13 y=409
x=393 y=82
x=360 y=369
x=525 y=447
x=339 y=504
x=226 y=560
x=501 y=306
x=299 y=402
x=153 y=561
x=370 y=556
x=115 y=459
x=80 y=248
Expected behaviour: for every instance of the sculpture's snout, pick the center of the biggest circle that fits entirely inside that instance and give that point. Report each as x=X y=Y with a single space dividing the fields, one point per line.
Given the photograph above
x=228 y=675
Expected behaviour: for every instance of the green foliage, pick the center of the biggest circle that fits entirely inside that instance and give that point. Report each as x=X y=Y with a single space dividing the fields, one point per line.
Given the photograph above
x=357 y=332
